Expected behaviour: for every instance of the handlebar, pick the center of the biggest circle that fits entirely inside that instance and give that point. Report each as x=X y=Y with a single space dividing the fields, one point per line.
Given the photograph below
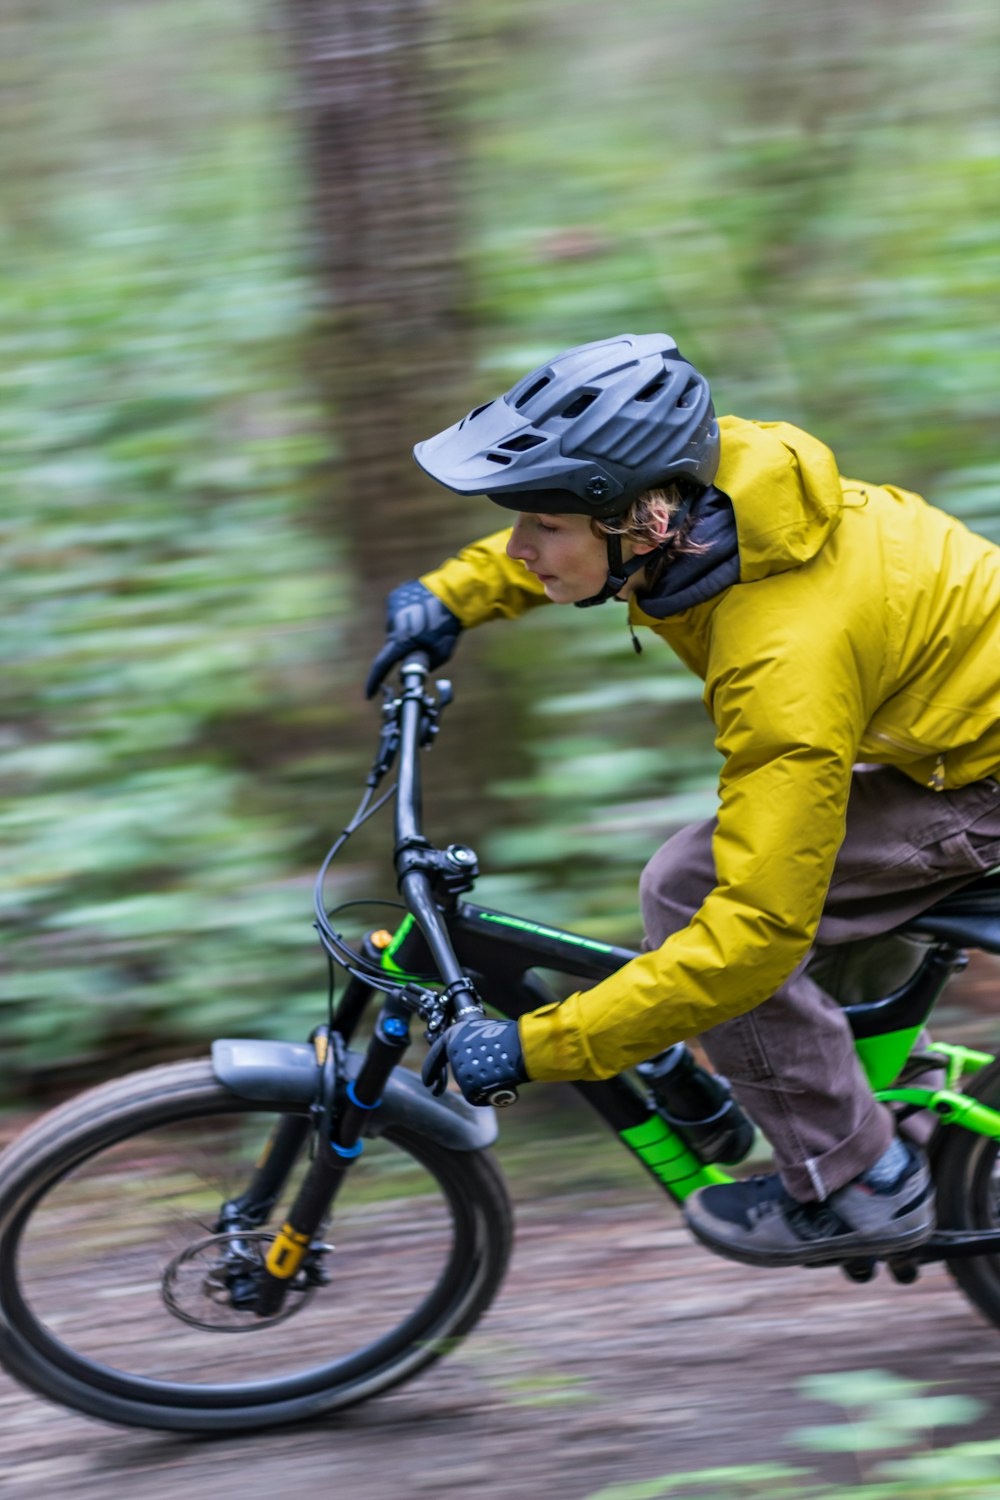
x=409 y=726
x=409 y=812
x=414 y=884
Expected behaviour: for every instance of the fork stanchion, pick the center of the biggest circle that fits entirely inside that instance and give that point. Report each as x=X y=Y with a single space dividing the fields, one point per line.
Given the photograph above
x=339 y=1146
x=292 y=1242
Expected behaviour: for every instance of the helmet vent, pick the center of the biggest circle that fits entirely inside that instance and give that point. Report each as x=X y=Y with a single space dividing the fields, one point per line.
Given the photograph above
x=475 y=412
x=499 y=458
x=523 y=443
x=653 y=389
x=532 y=390
x=577 y=407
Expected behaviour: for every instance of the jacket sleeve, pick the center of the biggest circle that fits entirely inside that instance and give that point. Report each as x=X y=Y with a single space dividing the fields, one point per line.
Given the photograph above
x=788 y=725
x=483 y=583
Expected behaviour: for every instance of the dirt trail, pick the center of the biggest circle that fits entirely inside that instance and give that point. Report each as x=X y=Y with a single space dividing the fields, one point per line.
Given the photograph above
x=617 y=1351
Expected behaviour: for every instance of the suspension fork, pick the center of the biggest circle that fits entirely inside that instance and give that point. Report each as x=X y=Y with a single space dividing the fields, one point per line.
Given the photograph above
x=253 y=1206
x=339 y=1144
x=281 y=1151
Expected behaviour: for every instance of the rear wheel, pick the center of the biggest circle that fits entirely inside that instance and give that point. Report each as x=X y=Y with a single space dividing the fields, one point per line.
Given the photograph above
x=967 y=1177
x=116 y=1294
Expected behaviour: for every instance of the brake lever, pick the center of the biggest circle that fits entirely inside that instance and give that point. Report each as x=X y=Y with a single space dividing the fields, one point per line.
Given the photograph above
x=431 y=1007
x=388 y=740
x=433 y=709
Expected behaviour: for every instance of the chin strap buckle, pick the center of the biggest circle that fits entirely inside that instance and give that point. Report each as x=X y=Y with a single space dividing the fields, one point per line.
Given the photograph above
x=619 y=573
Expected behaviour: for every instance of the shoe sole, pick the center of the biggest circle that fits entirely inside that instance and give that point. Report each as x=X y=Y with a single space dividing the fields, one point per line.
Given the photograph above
x=849 y=1247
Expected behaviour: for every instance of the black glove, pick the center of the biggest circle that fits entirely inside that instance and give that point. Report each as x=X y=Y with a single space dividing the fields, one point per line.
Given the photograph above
x=415 y=620
x=484 y=1055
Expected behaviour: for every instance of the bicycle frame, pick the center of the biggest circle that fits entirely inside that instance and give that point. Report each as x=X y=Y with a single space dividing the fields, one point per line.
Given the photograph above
x=501 y=951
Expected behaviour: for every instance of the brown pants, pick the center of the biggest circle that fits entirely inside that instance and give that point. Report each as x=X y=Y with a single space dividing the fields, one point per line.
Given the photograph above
x=792 y=1060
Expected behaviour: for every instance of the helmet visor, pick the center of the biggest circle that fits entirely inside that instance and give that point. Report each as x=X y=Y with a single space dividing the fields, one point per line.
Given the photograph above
x=544 y=502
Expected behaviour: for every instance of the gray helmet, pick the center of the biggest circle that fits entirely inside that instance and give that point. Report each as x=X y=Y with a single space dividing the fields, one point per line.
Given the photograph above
x=592 y=429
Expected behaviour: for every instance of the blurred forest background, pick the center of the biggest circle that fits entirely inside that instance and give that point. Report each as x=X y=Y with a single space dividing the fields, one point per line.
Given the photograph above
x=251 y=251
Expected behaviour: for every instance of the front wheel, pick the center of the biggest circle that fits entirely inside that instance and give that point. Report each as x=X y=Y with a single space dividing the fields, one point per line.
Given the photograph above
x=112 y=1299
x=967 y=1178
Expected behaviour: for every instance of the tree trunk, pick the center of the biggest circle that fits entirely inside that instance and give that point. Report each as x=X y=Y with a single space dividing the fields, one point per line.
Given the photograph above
x=375 y=84
x=373 y=80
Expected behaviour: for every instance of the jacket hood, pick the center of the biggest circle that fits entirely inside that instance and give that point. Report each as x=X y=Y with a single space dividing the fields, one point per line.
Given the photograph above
x=786 y=493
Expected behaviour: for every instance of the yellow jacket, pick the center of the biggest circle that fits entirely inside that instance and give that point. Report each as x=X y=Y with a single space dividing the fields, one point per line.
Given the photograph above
x=865 y=627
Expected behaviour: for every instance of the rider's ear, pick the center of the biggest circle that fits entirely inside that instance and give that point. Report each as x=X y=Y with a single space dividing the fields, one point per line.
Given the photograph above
x=656 y=514
x=657 y=527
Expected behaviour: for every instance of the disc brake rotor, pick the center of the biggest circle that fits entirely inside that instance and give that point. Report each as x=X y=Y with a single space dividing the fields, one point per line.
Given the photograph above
x=211 y=1284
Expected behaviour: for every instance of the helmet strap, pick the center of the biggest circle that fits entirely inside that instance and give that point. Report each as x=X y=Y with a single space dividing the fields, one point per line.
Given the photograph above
x=620 y=571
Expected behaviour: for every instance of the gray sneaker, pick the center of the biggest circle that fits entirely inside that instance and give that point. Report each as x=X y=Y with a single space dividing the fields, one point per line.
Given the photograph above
x=760 y=1223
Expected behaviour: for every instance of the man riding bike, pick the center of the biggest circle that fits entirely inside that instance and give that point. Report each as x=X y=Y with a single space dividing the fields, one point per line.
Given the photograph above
x=848 y=636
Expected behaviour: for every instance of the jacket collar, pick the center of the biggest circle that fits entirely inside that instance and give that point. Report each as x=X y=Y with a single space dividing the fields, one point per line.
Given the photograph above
x=711 y=566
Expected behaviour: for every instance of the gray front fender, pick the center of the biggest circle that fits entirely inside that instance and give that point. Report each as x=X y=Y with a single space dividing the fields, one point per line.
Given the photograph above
x=287 y=1073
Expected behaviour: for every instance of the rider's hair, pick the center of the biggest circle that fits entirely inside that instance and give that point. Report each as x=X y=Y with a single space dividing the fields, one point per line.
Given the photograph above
x=647 y=521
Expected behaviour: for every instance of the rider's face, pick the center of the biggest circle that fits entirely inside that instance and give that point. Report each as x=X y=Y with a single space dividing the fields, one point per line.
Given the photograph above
x=563 y=553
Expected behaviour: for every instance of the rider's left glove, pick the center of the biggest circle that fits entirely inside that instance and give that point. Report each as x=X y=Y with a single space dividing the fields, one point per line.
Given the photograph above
x=415 y=620
x=484 y=1056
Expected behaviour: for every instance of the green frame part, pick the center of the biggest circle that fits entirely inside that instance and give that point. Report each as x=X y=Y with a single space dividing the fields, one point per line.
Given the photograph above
x=387 y=961
x=961 y=1060
x=883 y=1057
x=666 y=1156
x=538 y=929
x=950 y=1107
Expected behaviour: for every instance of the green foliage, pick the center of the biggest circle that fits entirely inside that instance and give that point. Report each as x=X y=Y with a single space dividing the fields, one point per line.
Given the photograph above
x=727 y=1480
x=170 y=622
x=882 y=1414
x=548 y=1388
x=882 y=1410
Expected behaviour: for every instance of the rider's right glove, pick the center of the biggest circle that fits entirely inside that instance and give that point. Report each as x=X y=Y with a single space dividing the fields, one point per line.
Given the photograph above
x=484 y=1056
x=415 y=620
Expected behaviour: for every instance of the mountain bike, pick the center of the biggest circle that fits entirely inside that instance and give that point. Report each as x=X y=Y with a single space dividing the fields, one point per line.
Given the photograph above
x=286 y=1228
